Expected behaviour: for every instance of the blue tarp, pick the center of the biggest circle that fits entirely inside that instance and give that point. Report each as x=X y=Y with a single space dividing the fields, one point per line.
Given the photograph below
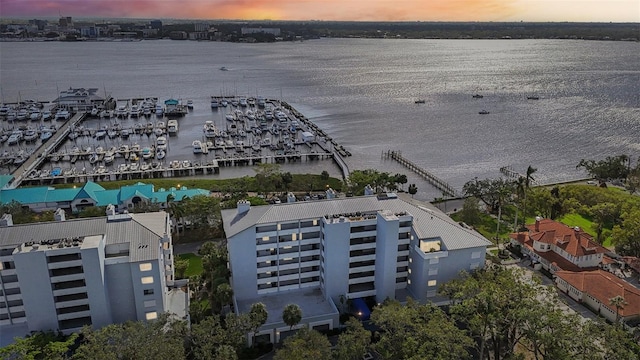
x=360 y=309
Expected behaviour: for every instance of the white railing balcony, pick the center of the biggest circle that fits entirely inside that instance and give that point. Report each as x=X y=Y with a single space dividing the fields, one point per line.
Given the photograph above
x=267 y=280
x=11 y=285
x=309 y=253
x=404 y=241
x=363 y=234
x=289 y=277
x=361 y=294
x=8 y=272
x=402 y=263
x=402 y=274
x=403 y=253
x=13 y=297
x=294 y=265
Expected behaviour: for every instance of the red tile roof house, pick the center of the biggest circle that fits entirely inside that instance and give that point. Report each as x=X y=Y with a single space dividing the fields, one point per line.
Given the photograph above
x=558 y=247
x=595 y=288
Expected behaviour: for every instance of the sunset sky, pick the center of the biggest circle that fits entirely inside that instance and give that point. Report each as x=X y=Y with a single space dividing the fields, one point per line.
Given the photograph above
x=358 y=10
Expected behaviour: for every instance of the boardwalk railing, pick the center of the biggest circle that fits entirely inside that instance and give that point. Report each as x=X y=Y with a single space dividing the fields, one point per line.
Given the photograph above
x=430 y=178
x=512 y=174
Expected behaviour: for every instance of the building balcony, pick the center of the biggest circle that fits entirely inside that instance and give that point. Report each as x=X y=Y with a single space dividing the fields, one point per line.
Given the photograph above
x=361 y=294
x=13 y=297
x=289 y=277
x=362 y=269
x=363 y=234
x=66 y=304
x=75 y=290
x=365 y=246
x=403 y=253
x=8 y=272
x=362 y=258
x=404 y=241
x=309 y=253
x=402 y=274
x=11 y=285
x=74 y=315
x=63 y=278
x=64 y=264
x=267 y=280
x=267 y=257
x=361 y=280
x=293 y=265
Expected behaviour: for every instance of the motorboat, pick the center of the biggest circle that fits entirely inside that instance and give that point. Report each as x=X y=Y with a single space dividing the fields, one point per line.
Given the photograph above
x=46 y=115
x=134 y=166
x=159 y=110
x=420 y=101
x=243 y=102
x=533 y=97
x=190 y=104
x=35 y=115
x=135 y=111
x=100 y=134
x=123 y=167
x=172 y=127
x=46 y=135
x=63 y=115
x=161 y=143
x=122 y=111
x=108 y=157
x=483 y=112
x=22 y=114
x=147 y=153
x=478 y=96
x=93 y=158
x=124 y=133
x=30 y=135
x=101 y=169
x=197 y=146
x=160 y=154
x=158 y=131
x=214 y=103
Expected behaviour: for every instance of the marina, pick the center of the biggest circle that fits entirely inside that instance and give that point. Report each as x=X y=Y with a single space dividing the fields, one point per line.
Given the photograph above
x=118 y=139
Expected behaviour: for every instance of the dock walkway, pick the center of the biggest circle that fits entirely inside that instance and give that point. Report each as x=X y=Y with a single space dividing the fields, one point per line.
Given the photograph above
x=430 y=178
x=41 y=153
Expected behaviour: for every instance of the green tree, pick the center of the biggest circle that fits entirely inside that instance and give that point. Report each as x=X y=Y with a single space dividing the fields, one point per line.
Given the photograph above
x=494 y=304
x=305 y=344
x=258 y=316
x=603 y=215
x=489 y=191
x=181 y=266
x=286 y=179
x=528 y=180
x=417 y=331
x=470 y=213
x=40 y=345
x=616 y=167
x=354 y=342
x=210 y=335
x=324 y=175
x=133 y=340
x=626 y=237
x=291 y=315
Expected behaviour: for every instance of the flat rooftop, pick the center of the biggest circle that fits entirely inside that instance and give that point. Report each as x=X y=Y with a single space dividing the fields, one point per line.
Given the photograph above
x=311 y=302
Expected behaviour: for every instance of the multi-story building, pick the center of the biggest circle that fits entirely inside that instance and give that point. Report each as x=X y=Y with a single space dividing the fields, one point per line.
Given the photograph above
x=318 y=254
x=65 y=274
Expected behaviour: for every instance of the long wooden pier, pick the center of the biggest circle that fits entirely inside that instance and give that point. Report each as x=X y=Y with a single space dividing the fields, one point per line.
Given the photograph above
x=512 y=174
x=430 y=178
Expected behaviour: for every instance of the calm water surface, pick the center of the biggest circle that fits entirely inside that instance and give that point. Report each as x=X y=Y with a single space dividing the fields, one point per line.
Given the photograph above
x=362 y=93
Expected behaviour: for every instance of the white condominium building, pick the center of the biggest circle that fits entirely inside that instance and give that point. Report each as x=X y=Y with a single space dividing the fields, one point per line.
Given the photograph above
x=317 y=253
x=65 y=274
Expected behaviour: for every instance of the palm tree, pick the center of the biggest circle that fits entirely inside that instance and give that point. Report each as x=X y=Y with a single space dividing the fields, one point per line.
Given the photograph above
x=519 y=190
x=618 y=302
x=502 y=193
x=258 y=316
x=291 y=315
x=527 y=183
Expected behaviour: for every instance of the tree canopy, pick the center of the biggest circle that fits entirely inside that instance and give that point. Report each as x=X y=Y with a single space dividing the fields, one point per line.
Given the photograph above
x=613 y=167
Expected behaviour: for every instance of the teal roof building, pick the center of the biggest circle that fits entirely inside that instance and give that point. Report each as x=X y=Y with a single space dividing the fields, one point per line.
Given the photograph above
x=45 y=198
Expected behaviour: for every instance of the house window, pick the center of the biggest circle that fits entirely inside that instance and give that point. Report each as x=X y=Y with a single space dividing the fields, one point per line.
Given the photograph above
x=151 y=315
x=145 y=267
x=433 y=271
x=432 y=283
x=475 y=255
x=147 y=280
x=148 y=291
x=434 y=261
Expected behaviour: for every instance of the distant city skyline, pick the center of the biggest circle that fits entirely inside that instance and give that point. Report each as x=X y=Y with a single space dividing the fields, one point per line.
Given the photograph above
x=339 y=10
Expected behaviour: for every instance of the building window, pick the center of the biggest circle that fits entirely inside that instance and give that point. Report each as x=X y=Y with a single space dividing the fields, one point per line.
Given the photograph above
x=431 y=293
x=432 y=283
x=147 y=280
x=151 y=315
x=148 y=291
x=145 y=267
x=473 y=266
x=475 y=255
x=433 y=271
x=434 y=261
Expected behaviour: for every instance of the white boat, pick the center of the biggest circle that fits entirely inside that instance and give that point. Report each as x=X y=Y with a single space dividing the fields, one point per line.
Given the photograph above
x=135 y=111
x=124 y=133
x=190 y=104
x=134 y=166
x=144 y=167
x=35 y=115
x=63 y=115
x=101 y=169
x=95 y=112
x=123 y=167
x=161 y=143
x=214 y=103
x=46 y=135
x=197 y=146
x=159 y=110
x=224 y=103
x=147 y=153
x=108 y=157
x=172 y=127
x=15 y=137
x=100 y=134
x=30 y=135
x=158 y=131
x=243 y=102
x=22 y=114
x=160 y=154
x=209 y=129
x=93 y=158
x=122 y=111
x=46 y=115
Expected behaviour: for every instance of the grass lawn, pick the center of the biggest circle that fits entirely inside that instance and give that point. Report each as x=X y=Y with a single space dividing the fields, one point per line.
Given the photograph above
x=195 y=264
